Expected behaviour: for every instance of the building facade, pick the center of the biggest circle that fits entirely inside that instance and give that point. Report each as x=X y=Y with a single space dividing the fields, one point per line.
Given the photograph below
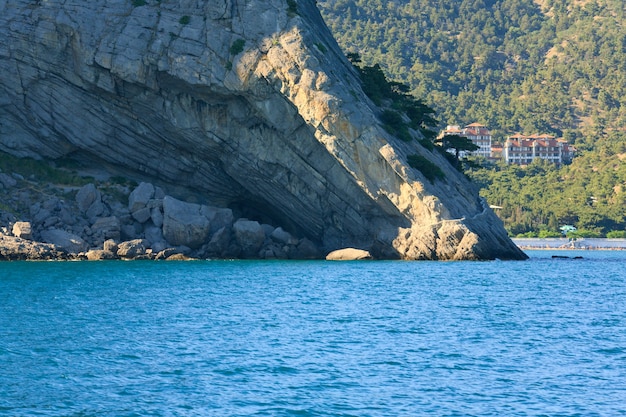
x=477 y=133
x=523 y=150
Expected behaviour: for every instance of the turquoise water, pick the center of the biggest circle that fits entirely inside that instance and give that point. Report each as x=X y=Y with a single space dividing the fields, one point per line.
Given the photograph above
x=544 y=337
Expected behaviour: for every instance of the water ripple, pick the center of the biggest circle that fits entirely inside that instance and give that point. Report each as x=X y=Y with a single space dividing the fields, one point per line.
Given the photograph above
x=314 y=338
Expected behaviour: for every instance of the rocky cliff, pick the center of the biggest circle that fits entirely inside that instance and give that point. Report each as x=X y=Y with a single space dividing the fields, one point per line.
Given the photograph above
x=241 y=104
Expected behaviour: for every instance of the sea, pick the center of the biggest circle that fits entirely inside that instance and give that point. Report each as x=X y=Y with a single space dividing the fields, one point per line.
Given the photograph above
x=542 y=337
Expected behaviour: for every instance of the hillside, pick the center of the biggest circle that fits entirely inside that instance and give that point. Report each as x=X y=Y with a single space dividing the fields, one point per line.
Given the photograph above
x=551 y=66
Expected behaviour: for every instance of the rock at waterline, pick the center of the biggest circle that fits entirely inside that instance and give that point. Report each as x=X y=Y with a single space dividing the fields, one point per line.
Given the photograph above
x=348 y=254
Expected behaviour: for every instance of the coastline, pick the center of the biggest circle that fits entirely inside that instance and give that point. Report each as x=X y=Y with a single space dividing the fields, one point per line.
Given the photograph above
x=569 y=244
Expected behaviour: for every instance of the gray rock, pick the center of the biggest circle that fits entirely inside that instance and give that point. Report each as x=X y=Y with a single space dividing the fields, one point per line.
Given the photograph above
x=273 y=251
x=166 y=253
x=250 y=237
x=159 y=194
x=281 y=236
x=132 y=249
x=86 y=196
x=108 y=227
x=142 y=215
x=7 y=181
x=23 y=230
x=156 y=215
x=51 y=221
x=67 y=241
x=185 y=223
x=153 y=235
x=51 y=204
x=158 y=246
x=130 y=231
x=219 y=217
x=219 y=244
x=41 y=216
x=66 y=216
x=139 y=197
x=95 y=210
x=268 y=229
x=306 y=250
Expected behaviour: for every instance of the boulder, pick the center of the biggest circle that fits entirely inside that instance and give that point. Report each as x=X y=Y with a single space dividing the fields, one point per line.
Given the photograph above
x=95 y=210
x=100 y=255
x=306 y=250
x=110 y=245
x=23 y=230
x=64 y=240
x=166 y=253
x=142 y=215
x=281 y=236
x=41 y=216
x=17 y=249
x=86 y=196
x=185 y=223
x=107 y=227
x=139 y=197
x=178 y=257
x=156 y=215
x=153 y=235
x=219 y=244
x=348 y=254
x=250 y=236
x=219 y=217
x=132 y=249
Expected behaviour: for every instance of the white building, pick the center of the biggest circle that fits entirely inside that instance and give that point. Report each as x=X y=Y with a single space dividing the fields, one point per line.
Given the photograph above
x=477 y=133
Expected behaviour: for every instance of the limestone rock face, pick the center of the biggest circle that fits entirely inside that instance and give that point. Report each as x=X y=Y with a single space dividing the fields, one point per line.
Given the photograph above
x=239 y=104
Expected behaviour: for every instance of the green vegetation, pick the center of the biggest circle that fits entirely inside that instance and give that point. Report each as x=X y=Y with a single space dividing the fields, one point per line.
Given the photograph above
x=237 y=47
x=400 y=109
x=431 y=171
x=184 y=20
x=553 y=66
x=41 y=170
x=458 y=144
x=508 y=63
x=292 y=7
x=321 y=47
x=590 y=193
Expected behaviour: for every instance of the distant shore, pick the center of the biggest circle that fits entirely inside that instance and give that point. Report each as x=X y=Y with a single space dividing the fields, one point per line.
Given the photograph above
x=565 y=243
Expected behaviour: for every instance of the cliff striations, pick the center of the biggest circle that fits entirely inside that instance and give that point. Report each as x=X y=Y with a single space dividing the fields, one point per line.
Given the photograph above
x=240 y=104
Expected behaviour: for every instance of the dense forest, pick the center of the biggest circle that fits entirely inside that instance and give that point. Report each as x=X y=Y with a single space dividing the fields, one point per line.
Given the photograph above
x=549 y=66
